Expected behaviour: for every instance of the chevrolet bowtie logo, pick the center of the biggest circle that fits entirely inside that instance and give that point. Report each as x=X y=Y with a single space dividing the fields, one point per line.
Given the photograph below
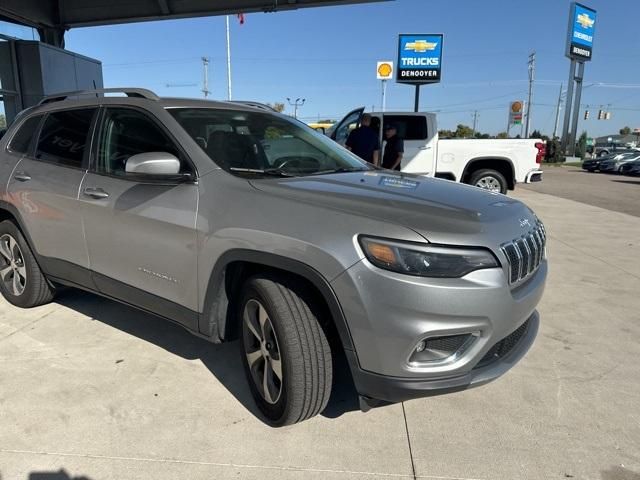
x=585 y=20
x=420 y=46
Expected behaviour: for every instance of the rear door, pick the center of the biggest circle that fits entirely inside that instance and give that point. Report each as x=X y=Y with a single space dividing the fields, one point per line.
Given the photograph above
x=44 y=188
x=419 y=151
x=141 y=231
x=341 y=130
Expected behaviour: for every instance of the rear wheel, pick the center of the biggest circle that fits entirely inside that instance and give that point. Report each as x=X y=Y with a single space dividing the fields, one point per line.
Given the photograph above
x=488 y=179
x=285 y=351
x=21 y=280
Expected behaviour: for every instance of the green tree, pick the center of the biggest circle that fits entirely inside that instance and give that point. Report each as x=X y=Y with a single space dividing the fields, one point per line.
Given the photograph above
x=582 y=145
x=502 y=135
x=536 y=134
x=446 y=134
x=3 y=121
x=625 y=131
x=463 y=131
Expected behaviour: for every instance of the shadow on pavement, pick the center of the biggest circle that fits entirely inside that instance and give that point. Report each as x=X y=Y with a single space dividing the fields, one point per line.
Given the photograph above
x=59 y=475
x=619 y=473
x=222 y=360
x=629 y=182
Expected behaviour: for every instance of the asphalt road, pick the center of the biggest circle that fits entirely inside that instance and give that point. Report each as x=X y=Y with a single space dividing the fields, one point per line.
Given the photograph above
x=95 y=390
x=612 y=192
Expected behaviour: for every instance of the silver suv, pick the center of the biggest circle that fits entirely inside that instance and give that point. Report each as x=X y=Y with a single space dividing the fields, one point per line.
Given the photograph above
x=240 y=223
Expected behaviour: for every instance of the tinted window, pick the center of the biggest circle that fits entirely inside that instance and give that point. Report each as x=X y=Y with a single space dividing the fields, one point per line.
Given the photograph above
x=64 y=136
x=22 y=139
x=256 y=143
x=409 y=127
x=126 y=132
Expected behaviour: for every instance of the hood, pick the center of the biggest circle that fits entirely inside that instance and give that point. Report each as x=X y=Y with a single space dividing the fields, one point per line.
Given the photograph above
x=440 y=210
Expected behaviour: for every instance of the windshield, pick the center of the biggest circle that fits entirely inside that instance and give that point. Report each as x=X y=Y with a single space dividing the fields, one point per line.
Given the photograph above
x=256 y=143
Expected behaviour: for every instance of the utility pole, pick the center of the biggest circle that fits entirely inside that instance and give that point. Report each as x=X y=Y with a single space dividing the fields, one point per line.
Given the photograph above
x=298 y=103
x=558 y=108
x=532 y=75
x=205 y=82
x=475 y=122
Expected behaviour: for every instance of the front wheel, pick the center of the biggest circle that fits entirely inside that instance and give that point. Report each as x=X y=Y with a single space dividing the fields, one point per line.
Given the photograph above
x=285 y=351
x=488 y=179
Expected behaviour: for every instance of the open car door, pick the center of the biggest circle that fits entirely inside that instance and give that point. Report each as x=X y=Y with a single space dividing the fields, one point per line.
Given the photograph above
x=341 y=130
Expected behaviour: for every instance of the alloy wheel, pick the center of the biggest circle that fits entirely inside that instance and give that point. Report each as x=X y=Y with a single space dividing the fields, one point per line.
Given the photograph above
x=262 y=351
x=489 y=183
x=13 y=272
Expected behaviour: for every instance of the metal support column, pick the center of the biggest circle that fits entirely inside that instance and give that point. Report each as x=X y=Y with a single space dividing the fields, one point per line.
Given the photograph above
x=567 y=110
x=576 y=110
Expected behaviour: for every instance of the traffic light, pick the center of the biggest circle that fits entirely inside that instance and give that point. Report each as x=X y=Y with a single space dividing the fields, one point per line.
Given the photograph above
x=586 y=114
x=600 y=114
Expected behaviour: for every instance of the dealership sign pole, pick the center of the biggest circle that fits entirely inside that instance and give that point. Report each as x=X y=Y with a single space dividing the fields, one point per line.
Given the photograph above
x=419 y=61
x=582 y=22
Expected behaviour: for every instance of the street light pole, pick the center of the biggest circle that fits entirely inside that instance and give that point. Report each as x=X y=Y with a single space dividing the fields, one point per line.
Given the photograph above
x=298 y=103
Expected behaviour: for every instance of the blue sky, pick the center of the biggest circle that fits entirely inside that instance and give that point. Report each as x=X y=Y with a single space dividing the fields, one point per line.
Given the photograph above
x=328 y=56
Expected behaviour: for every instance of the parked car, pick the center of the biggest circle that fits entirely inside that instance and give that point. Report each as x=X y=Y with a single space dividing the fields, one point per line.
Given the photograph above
x=630 y=168
x=240 y=223
x=494 y=164
x=614 y=165
x=593 y=164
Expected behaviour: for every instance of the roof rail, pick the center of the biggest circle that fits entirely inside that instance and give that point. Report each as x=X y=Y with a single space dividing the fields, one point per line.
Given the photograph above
x=129 y=92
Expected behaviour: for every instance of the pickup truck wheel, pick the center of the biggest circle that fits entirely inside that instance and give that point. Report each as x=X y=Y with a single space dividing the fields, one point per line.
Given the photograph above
x=285 y=352
x=488 y=179
x=21 y=280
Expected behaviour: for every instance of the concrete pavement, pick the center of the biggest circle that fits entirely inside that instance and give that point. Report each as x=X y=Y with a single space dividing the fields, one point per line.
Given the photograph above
x=93 y=389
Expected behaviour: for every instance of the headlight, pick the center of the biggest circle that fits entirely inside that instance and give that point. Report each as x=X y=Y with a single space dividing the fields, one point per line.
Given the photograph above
x=426 y=260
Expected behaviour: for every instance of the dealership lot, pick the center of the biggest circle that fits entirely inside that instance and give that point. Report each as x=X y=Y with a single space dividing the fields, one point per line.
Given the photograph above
x=99 y=390
x=613 y=192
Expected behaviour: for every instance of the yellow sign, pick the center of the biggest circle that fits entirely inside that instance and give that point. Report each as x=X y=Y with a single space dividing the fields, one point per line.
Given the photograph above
x=420 y=46
x=516 y=107
x=585 y=20
x=385 y=70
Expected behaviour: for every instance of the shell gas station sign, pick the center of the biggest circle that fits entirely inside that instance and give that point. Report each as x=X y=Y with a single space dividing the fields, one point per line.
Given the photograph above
x=384 y=70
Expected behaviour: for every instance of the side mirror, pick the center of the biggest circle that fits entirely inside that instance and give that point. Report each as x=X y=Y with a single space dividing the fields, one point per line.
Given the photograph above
x=153 y=163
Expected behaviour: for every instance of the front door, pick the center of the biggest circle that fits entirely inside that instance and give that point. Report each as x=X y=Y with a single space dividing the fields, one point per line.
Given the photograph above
x=341 y=130
x=44 y=189
x=140 y=232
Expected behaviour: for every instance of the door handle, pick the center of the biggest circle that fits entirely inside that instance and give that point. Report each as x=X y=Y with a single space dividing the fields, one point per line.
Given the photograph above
x=425 y=148
x=22 y=177
x=95 y=193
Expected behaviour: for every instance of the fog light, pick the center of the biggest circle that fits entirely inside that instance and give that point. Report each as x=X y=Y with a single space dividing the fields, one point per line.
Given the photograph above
x=421 y=346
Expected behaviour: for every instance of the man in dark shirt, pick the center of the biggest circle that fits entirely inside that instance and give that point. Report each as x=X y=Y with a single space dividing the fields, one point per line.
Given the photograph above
x=363 y=141
x=393 y=150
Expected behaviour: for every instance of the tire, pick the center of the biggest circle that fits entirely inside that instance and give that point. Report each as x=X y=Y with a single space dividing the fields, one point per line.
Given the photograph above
x=22 y=283
x=489 y=180
x=288 y=334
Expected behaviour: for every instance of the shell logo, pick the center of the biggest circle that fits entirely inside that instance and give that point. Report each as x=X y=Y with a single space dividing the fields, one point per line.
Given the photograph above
x=516 y=107
x=385 y=70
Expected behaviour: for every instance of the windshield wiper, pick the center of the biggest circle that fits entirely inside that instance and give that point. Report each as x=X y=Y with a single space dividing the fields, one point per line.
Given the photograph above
x=341 y=170
x=276 y=172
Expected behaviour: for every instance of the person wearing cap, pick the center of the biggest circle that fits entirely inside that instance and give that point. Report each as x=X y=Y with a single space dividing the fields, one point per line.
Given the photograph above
x=363 y=141
x=394 y=149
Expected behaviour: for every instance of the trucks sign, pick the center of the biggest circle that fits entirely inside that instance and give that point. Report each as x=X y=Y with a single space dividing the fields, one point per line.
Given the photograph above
x=419 y=58
x=582 y=23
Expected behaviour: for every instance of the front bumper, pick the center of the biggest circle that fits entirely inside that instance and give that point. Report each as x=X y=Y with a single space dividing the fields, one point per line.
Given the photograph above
x=399 y=389
x=389 y=314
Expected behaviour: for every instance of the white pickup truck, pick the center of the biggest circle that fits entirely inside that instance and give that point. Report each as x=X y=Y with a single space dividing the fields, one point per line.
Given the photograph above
x=497 y=165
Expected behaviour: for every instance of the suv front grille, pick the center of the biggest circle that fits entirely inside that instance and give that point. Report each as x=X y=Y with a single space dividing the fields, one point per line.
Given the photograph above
x=525 y=254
